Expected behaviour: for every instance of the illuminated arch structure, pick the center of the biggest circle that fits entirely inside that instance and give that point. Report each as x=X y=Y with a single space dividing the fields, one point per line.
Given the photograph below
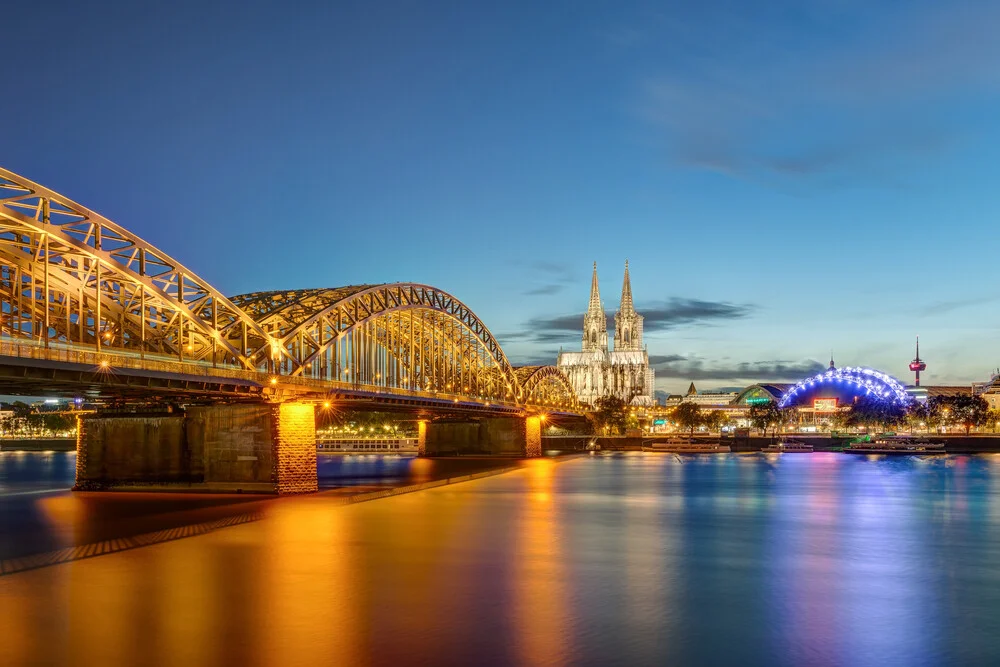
x=71 y=279
x=846 y=382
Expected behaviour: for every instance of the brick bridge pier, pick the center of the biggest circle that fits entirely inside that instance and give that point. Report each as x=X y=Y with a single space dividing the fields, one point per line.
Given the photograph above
x=259 y=448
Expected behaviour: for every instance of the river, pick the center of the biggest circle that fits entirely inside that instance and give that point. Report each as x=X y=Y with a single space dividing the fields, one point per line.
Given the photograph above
x=794 y=559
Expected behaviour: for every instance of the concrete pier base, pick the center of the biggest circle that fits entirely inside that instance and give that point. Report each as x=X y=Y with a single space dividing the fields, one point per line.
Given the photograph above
x=505 y=436
x=262 y=448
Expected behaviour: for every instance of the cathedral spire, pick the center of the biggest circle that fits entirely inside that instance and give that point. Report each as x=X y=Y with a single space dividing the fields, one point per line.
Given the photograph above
x=626 y=303
x=595 y=322
x=628 y=323
x=595 y=294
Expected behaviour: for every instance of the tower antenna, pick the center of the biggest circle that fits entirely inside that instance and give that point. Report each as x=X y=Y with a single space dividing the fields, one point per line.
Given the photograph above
x=918 y=364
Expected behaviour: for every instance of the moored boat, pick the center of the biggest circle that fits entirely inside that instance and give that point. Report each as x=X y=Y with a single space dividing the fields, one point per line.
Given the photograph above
x=366 y=445
x=684 y=446
x=894 y=444
x=788 y=446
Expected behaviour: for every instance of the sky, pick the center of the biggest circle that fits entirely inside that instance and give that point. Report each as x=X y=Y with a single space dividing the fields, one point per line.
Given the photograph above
x=786 y=178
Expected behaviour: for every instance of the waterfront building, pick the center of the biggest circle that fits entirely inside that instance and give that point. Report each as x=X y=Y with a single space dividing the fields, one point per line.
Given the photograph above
x=709 y=399
x=595 y=371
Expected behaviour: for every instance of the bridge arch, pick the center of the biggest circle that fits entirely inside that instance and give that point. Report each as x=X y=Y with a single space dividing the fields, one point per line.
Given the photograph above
x=546 y=385
x=404 y=335
x=70 y=277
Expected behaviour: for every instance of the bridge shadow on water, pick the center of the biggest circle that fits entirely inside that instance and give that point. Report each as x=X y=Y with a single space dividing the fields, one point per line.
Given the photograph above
x=42 y=522
x=353 y=470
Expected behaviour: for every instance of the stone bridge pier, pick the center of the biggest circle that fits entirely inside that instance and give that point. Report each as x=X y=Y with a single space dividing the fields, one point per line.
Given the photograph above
x=258 y=448
x=505 y=436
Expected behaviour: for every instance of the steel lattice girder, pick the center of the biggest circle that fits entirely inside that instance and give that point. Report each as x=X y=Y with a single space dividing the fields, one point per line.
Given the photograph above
x=544 y=380
x=324 y=314
x=106 y=263
x=100 y=280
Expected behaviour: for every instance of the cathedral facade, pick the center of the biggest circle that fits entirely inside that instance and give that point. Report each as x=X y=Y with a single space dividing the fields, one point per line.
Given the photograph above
x=623 y=371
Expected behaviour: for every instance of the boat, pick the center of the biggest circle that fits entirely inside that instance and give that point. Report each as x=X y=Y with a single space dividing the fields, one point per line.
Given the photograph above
x=366 y=445
x=893 y=444
x=788 y=446
x=683 y=446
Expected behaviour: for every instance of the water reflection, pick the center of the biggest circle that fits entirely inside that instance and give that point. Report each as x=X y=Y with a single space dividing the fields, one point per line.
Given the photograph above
x=644 y=559
x=539 y=571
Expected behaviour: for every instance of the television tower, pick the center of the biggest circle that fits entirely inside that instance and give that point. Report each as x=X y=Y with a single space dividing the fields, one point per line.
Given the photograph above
x=917 y=364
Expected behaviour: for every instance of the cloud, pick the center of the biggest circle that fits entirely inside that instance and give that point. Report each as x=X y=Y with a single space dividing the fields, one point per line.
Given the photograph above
x=751 y=371
x=542 y=290
x=797 y=106
x=941 y=307
x=556 y=276
x=655 y=359
x=678 y=312
x=665 y=315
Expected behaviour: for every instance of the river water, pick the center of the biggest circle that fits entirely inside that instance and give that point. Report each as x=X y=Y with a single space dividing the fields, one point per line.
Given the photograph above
x=794 y=559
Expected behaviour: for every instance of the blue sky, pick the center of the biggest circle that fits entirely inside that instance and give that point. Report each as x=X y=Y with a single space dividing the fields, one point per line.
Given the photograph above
x=785 y=177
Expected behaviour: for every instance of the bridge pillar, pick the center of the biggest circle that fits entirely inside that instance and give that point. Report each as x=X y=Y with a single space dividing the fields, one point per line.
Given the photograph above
x=259 y=448
x=507 y=436
x=422 y=438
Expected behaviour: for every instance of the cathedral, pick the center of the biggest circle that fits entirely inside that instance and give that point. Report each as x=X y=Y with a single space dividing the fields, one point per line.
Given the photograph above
x=624 y=371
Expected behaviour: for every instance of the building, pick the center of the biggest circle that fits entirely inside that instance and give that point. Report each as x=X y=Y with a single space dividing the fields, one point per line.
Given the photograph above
x=709 y=399
x=623 y=371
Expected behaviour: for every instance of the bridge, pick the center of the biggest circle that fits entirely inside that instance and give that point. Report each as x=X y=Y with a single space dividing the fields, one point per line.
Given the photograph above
x=87 y=308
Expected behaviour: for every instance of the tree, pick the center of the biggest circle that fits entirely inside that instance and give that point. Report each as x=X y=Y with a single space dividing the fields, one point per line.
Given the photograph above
x=918 y=415
x=611 y=414
x=969 y=411
x=874 y=412
x=35 y=422
x=963 y=410
x=21 y=409
x=715 y=419
x=992 y=418
x=767 y=415
x=56 y=422
x=938 y=412
x=687 y=415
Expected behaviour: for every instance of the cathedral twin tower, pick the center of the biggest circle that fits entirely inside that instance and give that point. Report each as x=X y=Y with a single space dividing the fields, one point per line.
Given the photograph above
x=624 y=371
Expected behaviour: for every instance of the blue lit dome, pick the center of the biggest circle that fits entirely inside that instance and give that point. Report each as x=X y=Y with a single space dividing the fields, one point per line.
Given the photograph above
x=842 y=386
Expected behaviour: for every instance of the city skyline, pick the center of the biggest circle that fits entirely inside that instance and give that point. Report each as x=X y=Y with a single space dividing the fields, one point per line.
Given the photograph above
x=784 y=180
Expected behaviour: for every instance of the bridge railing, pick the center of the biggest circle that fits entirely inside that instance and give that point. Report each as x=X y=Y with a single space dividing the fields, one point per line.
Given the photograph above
x=108 y=361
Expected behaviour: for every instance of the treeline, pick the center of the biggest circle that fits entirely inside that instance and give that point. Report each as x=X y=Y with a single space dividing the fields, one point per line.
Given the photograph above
x=611 y=415
x=26 y=421
x=963 y=411
x=376 y=423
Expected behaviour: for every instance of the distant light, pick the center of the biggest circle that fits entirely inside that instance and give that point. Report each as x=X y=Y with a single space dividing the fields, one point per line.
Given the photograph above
x=104 y=363
x=274 y=380
x=51 y=400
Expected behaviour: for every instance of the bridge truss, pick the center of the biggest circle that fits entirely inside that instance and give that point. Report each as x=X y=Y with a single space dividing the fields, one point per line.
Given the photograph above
x=71 y=279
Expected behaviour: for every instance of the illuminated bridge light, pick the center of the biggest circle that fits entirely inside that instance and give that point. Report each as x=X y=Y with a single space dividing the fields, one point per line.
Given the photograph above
x=306 y=337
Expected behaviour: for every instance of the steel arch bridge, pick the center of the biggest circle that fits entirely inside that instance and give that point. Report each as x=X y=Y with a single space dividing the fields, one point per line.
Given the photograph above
x=73 y=282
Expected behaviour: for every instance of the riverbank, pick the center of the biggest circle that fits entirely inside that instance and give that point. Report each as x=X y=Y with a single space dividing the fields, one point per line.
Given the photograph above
x=953 y=443
x=38 y=445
